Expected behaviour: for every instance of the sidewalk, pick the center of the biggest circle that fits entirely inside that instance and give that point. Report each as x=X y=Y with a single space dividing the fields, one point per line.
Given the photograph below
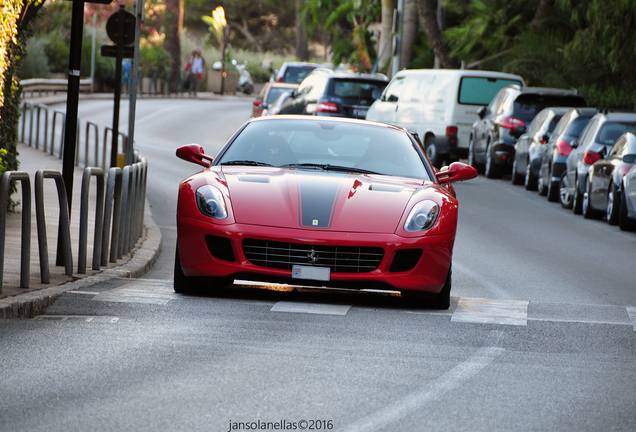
x=17 y=302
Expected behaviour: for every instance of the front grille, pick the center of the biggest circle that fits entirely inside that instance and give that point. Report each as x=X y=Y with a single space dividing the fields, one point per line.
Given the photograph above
x=340 y=259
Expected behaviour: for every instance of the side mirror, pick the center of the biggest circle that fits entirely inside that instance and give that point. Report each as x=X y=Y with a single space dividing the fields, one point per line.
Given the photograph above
x=629 y=158
x=457 y=171
x=481 y=112
x=575 y=143
x=194 y=153
x=518 y=131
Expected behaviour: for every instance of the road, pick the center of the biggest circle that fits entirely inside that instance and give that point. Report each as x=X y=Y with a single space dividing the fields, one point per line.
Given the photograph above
x=540 y=336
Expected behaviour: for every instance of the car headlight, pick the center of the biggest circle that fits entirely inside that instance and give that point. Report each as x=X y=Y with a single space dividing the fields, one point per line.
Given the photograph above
x=210 y=202
x=422 y=217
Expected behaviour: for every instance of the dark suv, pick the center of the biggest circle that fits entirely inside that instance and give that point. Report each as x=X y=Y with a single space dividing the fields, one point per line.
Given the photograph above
x=505 y=119
x=337 y=94
x=596 y=139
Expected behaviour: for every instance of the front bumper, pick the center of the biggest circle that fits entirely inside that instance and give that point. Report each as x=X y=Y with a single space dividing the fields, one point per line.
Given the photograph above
x=426 y=274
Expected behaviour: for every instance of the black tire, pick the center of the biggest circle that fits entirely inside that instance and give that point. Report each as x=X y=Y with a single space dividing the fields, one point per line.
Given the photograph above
x=613 y=205
x=577 y=199
x=471 y=157
x=565 y=198
x=492 y=170
x=553 y=189
x=542 y=187
x=432 y=152
x=586 y=206
x=516 y=178
x=441 y=300
x=184 y=284
x=529 y=181
x=624 y=222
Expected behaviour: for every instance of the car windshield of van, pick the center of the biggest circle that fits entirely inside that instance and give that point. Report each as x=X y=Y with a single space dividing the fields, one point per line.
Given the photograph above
x=481 y=90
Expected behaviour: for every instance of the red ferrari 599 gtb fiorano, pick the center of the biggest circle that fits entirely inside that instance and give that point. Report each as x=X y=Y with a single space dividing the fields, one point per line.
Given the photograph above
x=318 y=201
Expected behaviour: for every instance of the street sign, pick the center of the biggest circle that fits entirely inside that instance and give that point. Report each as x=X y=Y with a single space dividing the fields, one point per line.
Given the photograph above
x=111 y=51
x=120 y=27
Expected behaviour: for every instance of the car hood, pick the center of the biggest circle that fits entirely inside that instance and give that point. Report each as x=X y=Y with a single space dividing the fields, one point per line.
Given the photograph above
x=291 y=198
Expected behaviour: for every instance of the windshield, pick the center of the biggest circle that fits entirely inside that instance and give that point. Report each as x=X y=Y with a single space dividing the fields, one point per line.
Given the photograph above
x=326 y=145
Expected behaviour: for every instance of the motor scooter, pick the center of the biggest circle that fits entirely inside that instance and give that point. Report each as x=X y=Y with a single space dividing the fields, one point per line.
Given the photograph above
x=245 y=84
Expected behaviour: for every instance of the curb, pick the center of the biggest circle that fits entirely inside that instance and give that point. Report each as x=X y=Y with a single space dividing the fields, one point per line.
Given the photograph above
x=144 y=257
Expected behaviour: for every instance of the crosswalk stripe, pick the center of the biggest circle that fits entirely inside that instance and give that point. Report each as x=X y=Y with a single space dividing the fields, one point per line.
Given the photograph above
x=310 y=308
x=483 y=311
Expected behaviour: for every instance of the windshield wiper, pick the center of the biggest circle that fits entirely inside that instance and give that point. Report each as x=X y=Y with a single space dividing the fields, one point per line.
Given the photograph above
x=245 y=162
x=329 y=167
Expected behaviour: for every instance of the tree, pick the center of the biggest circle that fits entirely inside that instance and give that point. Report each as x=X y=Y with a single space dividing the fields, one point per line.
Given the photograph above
x=428 y=18
x=386 y=34
x=14 y=27
x=173 y=21
x=409 y=32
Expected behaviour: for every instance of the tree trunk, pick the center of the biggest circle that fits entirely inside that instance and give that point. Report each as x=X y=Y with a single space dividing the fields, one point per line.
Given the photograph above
x=386 y=38
x=243 y=28
x=543 y=10
x=302 y=50
x=428 y=19
x=174 y=25
x=409 y=32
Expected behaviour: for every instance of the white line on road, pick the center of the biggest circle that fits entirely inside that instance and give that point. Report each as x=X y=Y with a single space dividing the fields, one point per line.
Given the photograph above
x=310 y=308
x=631 y=311
x=507 y=312
x=447 y=382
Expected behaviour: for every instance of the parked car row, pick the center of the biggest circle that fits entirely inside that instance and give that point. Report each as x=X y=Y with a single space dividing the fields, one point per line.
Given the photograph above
x=583 y=157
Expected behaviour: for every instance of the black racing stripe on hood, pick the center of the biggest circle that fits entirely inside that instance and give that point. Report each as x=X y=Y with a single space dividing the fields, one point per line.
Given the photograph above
x=317 y=197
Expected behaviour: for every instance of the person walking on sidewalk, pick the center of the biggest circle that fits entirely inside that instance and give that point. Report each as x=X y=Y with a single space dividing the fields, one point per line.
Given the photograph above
x=195 y=65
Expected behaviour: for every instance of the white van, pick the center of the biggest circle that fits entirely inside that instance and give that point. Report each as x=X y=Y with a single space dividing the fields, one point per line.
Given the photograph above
x=440 y=105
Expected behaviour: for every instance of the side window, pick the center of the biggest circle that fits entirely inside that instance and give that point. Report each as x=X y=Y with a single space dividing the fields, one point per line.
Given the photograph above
x=618 y=147
x=306 y=86
x=506 y=101
x=416 y=89
x=495 y=102
x=537 y=122
x=588 y=132
x=394 y=90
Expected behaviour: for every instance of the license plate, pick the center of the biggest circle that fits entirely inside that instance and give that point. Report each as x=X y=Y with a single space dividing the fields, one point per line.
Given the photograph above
x=313 y=273
x=359 y=113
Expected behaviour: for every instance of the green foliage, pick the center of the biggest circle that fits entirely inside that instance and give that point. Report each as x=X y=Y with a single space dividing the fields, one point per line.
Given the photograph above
x=154 y=58
x=35 y=64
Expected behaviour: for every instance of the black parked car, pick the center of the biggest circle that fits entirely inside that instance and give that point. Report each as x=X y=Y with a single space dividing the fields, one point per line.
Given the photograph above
x=525 y=168
x=556 y=151
x=605 y=178
x=335 y=94
x=596 y=139
x=505 y=119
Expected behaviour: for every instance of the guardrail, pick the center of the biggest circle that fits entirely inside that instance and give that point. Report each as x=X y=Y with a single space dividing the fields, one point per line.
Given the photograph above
x=46 y=86
x=118 y=211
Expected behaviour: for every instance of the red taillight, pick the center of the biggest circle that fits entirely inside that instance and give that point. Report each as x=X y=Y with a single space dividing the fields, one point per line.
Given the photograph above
x=511 y=123
x=589 y=157
x=328 y=107
x=563 y=147
x=257 y=103
x=279 y=79
x=451 y=133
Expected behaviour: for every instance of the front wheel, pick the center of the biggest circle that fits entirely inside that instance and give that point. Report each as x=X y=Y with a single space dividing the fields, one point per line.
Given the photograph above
x=471 y=157
x=530 y=181
x=553 y=189
x=184 y=284
x=440 y=301
x=587 y=209
x=624 y=222
x=516 y=178
x=577 y=199
x=493 y=171
x=565 y=197
x=613 y=205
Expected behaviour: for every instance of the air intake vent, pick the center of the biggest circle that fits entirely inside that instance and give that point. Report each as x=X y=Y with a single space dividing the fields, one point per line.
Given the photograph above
x=405 y=260
x=340 y=259
x=220 y=247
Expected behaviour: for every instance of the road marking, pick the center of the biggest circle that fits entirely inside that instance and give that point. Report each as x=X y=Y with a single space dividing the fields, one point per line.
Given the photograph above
x=507 y=312
x=445 y=383
x=631 y=311
x=84 y=318
x=146 y=291
x=310 y=308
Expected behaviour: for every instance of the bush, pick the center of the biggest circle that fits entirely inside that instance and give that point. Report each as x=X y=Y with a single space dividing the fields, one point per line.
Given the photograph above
x=35 y=64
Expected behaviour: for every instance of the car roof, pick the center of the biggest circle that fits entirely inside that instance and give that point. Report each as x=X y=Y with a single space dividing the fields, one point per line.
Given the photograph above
x=350 y=75
x=326 y=119
x=543 y=90
x=617 y=115
x=466 y=72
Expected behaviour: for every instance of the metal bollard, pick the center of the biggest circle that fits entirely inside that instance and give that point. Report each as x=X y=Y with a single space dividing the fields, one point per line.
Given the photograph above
x=99 y=213
x=63 y=115
x=39 y=108
x=25 y=258
x=94 y=126
x=124 y=209
x=113 y=193
x=26 y=104
x=64 y=233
